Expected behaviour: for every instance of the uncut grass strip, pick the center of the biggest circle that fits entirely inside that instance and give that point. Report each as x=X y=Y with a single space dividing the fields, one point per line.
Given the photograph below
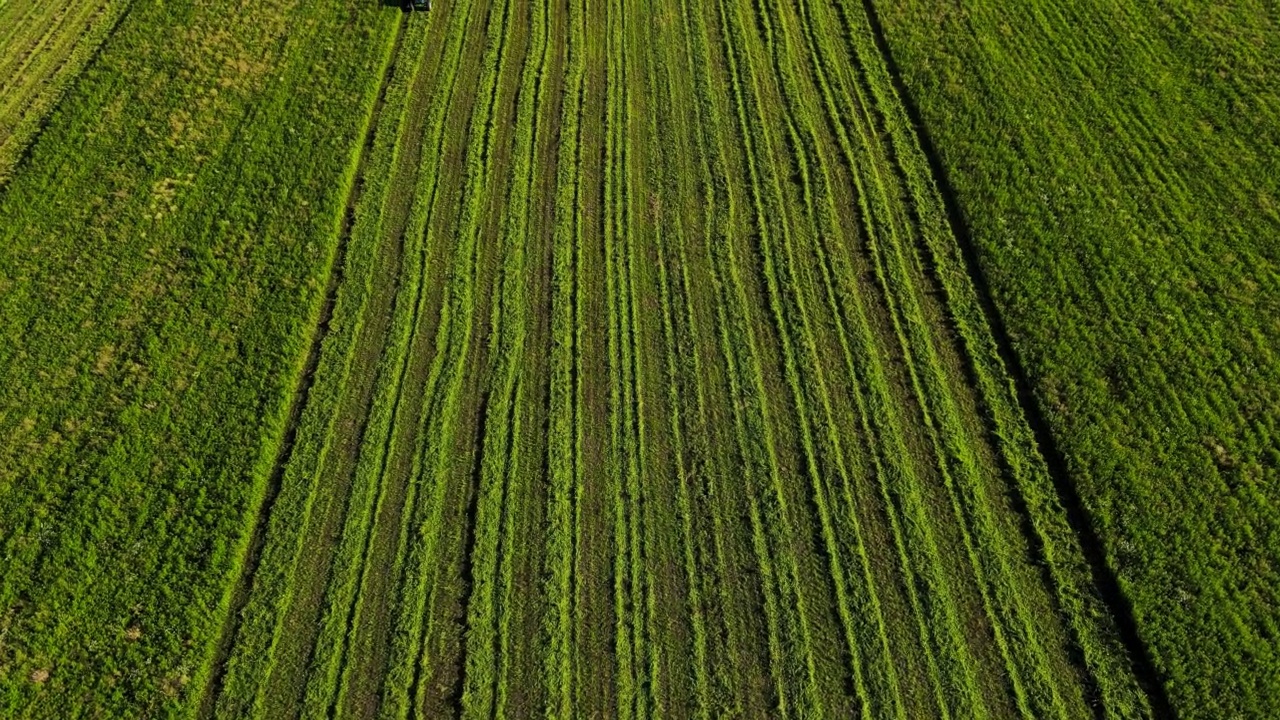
x=283 y=393
x=968 y=467
x=558 y=671
x=1019 y=450
x=237 y=481
x=1063 y=557
x=266 y=577
x=1179 y=409
x=1037 y=519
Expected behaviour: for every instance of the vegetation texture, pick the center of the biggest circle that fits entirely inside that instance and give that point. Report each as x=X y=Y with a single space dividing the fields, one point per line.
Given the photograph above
x=163 y=253
x=1118 y=164
x=43 y=47
x=630 y=359
x=655 y=386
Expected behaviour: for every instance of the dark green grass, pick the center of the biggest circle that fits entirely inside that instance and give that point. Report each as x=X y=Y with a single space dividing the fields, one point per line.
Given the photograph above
x=162 y=258
x=1118 y=167
x=654 y=385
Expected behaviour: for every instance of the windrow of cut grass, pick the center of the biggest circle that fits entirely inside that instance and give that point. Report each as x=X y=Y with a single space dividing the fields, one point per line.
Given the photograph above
x=264 y=670
x=651 y=382
x=165 y=250
x=43 y=48
x=1115 y=167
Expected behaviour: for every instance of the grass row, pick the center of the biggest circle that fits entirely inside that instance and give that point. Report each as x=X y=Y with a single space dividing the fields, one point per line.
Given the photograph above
x=562 y=457
x=487 y=626
x=1121 y=234
x=139 y=445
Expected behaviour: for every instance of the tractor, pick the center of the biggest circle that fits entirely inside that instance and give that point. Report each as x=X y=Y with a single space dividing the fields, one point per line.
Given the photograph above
x=423 y=5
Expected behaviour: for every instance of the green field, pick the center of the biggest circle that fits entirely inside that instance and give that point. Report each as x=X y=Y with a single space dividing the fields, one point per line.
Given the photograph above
x=43 y=47
x=1121 y=179
x=653 y=358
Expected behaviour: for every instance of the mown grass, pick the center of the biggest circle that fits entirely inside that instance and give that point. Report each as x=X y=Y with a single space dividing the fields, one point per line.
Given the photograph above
x=164 y=254
x=656 y=384
x=1117 y=168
